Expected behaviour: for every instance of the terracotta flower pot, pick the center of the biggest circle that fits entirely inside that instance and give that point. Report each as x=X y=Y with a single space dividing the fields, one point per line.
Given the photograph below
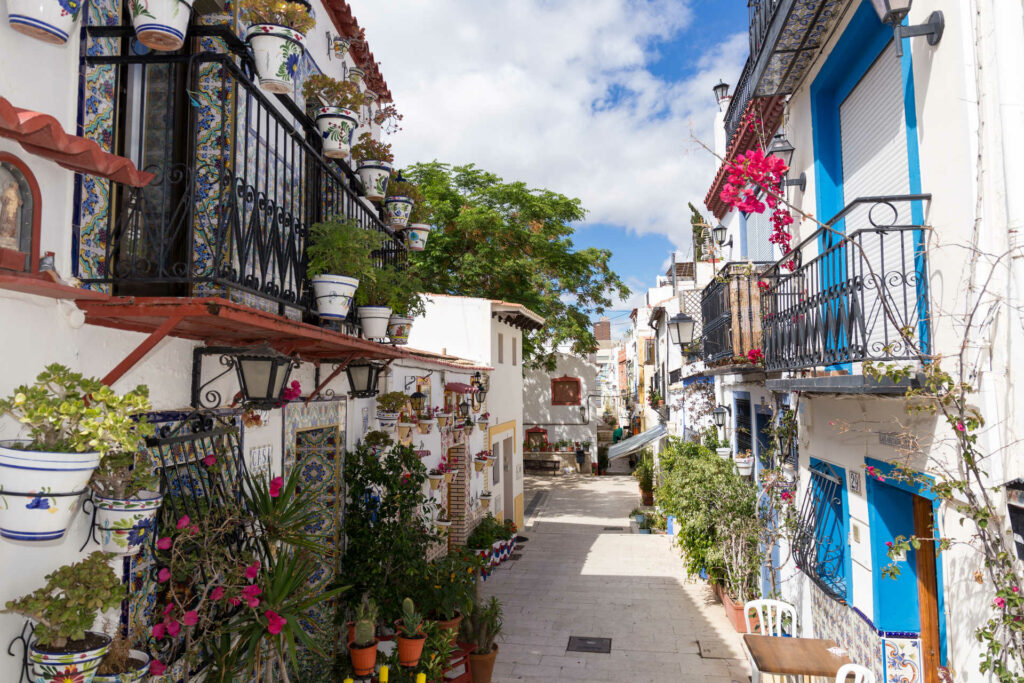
x=481 y=667
x=364 y=659
x=409 y=649
x=647 y=497
x=446 y=624
x=733 y=610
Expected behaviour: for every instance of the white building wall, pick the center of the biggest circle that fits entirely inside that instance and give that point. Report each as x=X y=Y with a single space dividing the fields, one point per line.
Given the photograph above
x=572 y=423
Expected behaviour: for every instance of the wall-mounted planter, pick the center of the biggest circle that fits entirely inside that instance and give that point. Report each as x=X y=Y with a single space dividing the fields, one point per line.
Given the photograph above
x=161 y=24
x=405 y=430
x=124 y=525
x=485 y=501
x=336 y=126
x=443 y=419
x=374 y=320
x=399 y=328
x=479 y=464
x=426 y=425
x=333 y=295
x=435 y=481
x=724 y=453
x=449 y=476
x=278 y=51
x=51 y=21
x=744 y=465
x=30 y=481
x=417 y=236
x=68 y=665
x=387 y=419
x=398 y=208
x=374 y=175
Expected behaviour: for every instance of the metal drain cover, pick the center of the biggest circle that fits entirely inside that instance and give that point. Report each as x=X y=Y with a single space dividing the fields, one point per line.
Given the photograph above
x=521 y=539
x=589 y=644
x=515 y=556
x=614 y=528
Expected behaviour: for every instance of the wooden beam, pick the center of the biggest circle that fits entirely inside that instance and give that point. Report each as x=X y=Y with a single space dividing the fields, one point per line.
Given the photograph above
x=142 y=349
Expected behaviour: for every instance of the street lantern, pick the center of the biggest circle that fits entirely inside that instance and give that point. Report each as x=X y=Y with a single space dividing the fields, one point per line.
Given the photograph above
x=480 y=382
x=721 y=91
x=464 y=408
x=719 y=414
x=680 y=329
x=262 y=375
x=783 y=148
x=362 y=378
x=893 y=12
x=417 y=400
x=718 y=233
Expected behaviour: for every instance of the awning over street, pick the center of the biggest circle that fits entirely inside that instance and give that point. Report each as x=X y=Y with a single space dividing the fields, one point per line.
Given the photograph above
x=635 y=443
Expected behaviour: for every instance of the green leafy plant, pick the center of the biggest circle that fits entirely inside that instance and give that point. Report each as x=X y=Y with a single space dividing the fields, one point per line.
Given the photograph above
x=644 y=471
x=66 y=412
x=378 y=439
x=400 y=187
x=411 y=619
x=341 y=248
x=407 y=296
x=66 y=607
x=321 y=90
x=451 y=585
x=365 y=623
x=122 y=475
x=602 y=458
x=437 y=651
x=283 y=13
x=482 y=625
x=284 y=515
x=368 y=149
x=377 y=287
x=392 y=401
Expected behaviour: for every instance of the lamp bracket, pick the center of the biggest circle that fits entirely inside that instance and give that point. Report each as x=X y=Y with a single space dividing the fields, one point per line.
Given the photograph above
x=933 y=28
x=800 y=182
x=212 y=399
x=410 y=382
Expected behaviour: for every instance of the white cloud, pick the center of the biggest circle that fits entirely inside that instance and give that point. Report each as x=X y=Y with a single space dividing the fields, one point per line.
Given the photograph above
x=525 y=88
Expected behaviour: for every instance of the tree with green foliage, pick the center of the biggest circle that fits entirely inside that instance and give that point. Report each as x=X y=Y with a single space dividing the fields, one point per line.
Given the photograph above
x=507 y=241
x=699 y=229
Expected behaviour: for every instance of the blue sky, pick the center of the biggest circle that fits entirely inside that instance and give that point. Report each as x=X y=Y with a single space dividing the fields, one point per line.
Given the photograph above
x=596 y=99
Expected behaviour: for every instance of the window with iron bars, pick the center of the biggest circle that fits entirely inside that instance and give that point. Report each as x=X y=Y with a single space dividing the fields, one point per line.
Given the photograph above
x=820 y=547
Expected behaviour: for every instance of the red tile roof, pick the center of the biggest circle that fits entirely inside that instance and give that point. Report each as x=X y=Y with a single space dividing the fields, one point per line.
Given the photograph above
x=42 y=135
x=348 y=27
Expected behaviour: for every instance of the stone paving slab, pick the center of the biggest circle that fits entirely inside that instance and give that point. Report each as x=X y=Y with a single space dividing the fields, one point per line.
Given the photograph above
x=575 y=578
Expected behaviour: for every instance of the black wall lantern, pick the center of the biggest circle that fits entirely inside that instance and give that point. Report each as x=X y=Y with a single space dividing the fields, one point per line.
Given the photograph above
x=680 y=329
x=416 y=400
x=720 y=414
x=262 y=375
x=363 y=377
x=721 y=91
x=719 y=232
x=464 y=408
x=893 y=12
x=783 y=148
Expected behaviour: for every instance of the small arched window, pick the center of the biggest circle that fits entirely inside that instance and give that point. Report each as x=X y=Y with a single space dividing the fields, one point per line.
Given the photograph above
x=19 y=215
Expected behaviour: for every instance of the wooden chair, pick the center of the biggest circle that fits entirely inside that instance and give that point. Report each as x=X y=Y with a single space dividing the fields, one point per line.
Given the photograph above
x=860 y=674
x=771 y=616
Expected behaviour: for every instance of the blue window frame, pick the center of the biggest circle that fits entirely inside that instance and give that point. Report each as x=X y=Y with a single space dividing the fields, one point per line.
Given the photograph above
x=820 y=547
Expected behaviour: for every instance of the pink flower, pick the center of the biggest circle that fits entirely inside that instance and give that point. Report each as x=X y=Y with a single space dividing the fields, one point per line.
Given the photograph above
x=253 y=570
x=235 y=602
x=959 y=426
x=159 y=630
x=755 y=355
x=1015 y=589
x=164 y=575
x=276 y=484
x=217 y=593
x=157 y=668
x=190 y=618
x=173 y=627
x=786 y=496
x=167 y=608
x=183 y=522
x=250 y=593
x=164 y=543
x=999 y=602
x=210 y=460
x=275 y=622
x=888 y=544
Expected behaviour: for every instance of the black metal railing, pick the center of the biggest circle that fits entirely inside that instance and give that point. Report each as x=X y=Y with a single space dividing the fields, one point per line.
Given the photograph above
x=863 y=297
x=731 y=312
x=761 y=13
x=240 y=179
x=819 y=543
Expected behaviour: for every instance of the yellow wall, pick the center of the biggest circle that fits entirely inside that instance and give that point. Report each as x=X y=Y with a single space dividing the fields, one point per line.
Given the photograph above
x=498 y=429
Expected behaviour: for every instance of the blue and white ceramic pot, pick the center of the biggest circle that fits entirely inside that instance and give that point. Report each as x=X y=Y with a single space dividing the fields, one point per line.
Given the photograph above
x=374 y=320
x=336 y=126
x=333 y=295
x=387 y=419
x=124 y=525
x=161 y=24
x=134 y=676
x=417 y=235
x=278 y=52
x=80 y=667
x=399 y=328
x=374 y=176
x=29 y=480
x=398 y=208
x=51 y=21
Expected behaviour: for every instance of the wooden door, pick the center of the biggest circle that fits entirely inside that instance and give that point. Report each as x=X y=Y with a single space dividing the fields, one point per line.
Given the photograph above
x=927 y=591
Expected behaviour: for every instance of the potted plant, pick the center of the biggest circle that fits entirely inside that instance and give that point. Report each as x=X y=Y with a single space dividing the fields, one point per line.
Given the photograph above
x=362 y=648
x=122 y=664
x=402 y=196
x=446 y=468
x=443 y=417
x=72 y=422
x=435 y=476
x=481 y=628
x=744 y=463
x=410 y=635
x=453 y=579
x=50 y=22
x=602 y=460
x=124 y=493
x=644 y=474
x=405 y=428
x=426 y=422
x=63 y=647
x=161 y=24
x=467 y=424
x=373 y=161
x=378 y=441
x=334 y=105
x=339 y=255
x=276 y=35
x=406 y=303
x=485 y=502
x=389 y=408
x=418 y=231
x=442 y=521
x=356 y=75
x=373 y=301
x=482 y=421
x=724 y=450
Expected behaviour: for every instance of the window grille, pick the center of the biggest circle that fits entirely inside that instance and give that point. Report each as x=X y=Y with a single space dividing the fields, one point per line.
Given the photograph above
x=819 y=547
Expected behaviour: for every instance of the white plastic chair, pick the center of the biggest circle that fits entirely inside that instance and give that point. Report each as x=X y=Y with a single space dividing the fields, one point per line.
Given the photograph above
x=771 y=616
x=860 y=674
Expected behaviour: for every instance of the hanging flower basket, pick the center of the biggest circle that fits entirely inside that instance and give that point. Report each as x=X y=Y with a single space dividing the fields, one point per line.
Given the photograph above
x=50 y=22
x=374 y=176
x=387 y=419
x=161 y=24
x=124 y=525
x=333 y=295
x=336 y=126
x=398 y=208
x=399 y=328
x=417 y=235
x=744 y=465
x=277 y=51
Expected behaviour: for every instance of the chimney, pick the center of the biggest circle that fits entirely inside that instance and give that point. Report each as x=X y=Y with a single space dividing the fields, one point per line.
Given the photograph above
x=603 y=330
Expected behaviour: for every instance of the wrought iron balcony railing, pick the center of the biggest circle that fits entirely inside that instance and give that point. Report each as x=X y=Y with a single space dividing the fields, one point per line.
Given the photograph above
x=240 y=180
x=863 y=297
x=731 y=312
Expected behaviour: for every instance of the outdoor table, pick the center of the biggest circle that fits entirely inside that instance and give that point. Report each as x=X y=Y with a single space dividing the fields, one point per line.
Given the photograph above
x=793 y=656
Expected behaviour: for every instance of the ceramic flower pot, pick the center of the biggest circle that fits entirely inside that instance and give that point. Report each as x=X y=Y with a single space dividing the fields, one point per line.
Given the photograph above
x=478 y=465
x=442 y=524
x=435 y=481
x=496 y=553
x=399 y=328
x=405 y=430
x=443 y=419
x=30 y=510
x=136 y=675
x=398 y=208
x=449 y=477
x=364 y=659
x=333 y=295
x=51 y=21
x=745 y=466
x=426 y=425
x=124 y=525
x=481 y=667
x=485 y=502
x=64 y=665
x=161 y=24
x=374 y=176
x=482 y=426
x=450 y=624
x=374 y=320
x=336 y=126
x=387 y=419
x=278 y=52
x=724 y=453
x=356 y=75
x=417 y=235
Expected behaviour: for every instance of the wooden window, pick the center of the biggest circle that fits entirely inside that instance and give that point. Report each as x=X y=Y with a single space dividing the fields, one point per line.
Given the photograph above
x=501 y=348
x=566 y=391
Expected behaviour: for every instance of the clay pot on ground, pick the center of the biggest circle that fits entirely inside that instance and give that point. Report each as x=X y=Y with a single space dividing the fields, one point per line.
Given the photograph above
x=481 y=667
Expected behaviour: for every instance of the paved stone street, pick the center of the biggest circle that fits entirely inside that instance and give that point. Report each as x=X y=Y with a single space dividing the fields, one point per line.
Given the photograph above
x=575 y=577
